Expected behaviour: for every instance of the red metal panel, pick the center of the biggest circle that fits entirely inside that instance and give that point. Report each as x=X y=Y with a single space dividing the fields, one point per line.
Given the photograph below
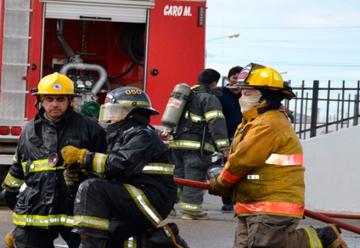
x=176 y=49
x=33 y=76
x=2 y=14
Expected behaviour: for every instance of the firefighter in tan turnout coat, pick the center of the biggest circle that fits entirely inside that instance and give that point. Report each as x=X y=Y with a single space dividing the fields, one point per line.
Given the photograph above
x=264 y=172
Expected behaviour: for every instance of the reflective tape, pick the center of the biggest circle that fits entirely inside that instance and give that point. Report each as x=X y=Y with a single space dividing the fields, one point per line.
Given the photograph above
x=159 y=168
x=268 y=207
x=226 y=176
x=314 y=240
x=193 y=117
x=190 y=144
x=130 y=243
x=130 y=103
x=12 y=182
x=214 y=114
x=144 y=204
x=190 y=207
x=43 y=220
x=285 y=160
x=39 y=166
x=222 y=143
x=98 y=163
x=91 y=222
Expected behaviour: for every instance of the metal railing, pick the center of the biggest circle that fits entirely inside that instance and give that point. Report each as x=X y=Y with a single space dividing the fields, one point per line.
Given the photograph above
x=321 y=109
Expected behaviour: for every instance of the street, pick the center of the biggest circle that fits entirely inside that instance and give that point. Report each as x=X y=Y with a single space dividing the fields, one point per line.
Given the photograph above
x=218 y=232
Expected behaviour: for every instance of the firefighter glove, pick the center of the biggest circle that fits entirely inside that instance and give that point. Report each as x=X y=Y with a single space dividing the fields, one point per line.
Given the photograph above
x=72 y=154
x=74 y=176
x=216 y=189
x=9 y=240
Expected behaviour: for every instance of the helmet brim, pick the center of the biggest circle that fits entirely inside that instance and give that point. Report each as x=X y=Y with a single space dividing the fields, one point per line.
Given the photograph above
x=152 y=111
x=238 y=85
x=287 y=91
x=288 y=94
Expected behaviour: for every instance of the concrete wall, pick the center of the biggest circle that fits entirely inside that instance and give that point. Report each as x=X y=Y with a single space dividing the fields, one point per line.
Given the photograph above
x=332 y=176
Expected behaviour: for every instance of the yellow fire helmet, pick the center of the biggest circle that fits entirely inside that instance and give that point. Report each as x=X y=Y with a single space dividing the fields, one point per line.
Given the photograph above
x=259 y=76
x=55 y=84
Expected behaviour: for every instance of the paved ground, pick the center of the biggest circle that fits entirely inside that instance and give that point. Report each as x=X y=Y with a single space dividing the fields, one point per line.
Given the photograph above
x=217 y=232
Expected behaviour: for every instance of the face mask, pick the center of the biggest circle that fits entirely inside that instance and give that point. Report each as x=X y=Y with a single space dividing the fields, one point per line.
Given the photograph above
x=248 y=102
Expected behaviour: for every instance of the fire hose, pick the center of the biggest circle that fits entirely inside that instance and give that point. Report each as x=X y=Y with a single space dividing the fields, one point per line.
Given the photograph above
x=325 y=217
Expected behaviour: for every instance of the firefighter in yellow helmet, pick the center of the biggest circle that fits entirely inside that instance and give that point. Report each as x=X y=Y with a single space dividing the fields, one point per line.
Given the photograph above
x=264 y=172
x=42 y=210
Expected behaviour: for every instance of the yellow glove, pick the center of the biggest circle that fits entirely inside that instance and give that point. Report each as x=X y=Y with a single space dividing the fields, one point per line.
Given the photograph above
x=9 y=240
x=216 y=189
x=72 y=154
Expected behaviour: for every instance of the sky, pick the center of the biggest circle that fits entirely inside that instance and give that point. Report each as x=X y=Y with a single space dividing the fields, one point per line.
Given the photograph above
x=303 y=39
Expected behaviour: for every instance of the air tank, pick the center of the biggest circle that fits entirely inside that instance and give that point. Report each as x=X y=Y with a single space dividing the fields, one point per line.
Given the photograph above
x=176 y=104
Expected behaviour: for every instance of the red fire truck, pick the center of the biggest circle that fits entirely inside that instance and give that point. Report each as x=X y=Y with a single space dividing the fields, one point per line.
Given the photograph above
x=100 y=45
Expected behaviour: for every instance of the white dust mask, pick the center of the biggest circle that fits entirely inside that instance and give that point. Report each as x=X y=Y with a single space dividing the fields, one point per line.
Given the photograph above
x=247 y=102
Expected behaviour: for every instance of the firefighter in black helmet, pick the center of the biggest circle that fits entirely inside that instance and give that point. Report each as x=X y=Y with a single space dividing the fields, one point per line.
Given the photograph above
x=134 y=190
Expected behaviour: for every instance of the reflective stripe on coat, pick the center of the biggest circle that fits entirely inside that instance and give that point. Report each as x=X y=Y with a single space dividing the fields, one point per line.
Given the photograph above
x=264 y=168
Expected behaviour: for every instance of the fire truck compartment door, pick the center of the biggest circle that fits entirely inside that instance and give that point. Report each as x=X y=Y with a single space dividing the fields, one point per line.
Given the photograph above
x=133 y=11
x=176 y=48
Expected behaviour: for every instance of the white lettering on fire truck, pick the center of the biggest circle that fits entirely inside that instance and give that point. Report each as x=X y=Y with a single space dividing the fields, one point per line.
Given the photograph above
x=173 y=10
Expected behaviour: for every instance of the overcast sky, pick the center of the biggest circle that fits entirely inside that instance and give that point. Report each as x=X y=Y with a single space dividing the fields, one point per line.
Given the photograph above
x=304 y=39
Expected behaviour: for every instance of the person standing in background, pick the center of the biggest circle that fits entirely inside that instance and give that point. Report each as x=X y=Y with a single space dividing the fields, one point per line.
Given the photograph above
x=229 y=99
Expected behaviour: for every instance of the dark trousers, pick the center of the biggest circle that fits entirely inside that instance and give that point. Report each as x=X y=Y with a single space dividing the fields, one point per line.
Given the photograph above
x=31 y=237
x=269 y=231
x=191 y=165
x=227 y=200
x=109 y=200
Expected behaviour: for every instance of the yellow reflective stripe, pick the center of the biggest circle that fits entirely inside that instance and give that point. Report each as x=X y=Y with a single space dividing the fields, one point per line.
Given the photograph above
x=144 y=204
x=12 y=182
x=314 y=240
x=193 y=117
x=285 y=159
x=14 y=159
x=130 y=242
x=159 y=168
x=37 y=162
x=214 y=114
x=91 y=222
x=189 y=144
x=39 y=166
x=190 y=207
x=222 y=143
x=46 y=168
x=98 y=163
x=42 y=220
x=184 y=144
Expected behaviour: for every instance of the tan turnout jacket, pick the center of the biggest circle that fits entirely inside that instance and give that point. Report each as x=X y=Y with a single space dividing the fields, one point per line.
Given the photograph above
x=265 y=169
